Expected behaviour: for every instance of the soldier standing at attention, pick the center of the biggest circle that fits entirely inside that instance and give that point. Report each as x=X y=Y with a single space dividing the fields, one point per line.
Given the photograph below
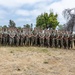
x=47 y=38
x=55 y=38
x=65 y=39
x=30 y=37
x=60 y=39
x=21 y=38
x=74 y=39
x=53 y=42
x=27 y=40
x=0 y=36
x=44 y=37
x=36 y=36
x=40 y=38
x=51 y=38
x=33 y=38
x=70 y=40
x=24 y=37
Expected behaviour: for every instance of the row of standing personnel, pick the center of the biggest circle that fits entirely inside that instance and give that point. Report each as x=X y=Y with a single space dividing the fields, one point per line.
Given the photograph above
x=38 y=37
x=54 y=38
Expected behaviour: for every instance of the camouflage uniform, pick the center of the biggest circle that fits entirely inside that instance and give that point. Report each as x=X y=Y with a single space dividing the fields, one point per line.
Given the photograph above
x=46 y=38
x=21 y=39
x=65 y=40
x=11 y=39
x=25 y=34
x=74 y=39
x=30 y=38
x=59 y=40
x=35 y=37
x=55 y=39
x=17 y=34
x=27 y=37
x=0 y=36
x=41 y=38
x=70 y=41
x=4 y=37
x=51 y=39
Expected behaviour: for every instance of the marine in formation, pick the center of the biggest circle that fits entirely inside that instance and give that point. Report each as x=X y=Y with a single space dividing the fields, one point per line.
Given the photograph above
x=37 y=37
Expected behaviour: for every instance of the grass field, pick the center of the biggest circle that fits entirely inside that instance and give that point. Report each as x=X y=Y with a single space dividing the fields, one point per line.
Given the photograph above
x=36 y=61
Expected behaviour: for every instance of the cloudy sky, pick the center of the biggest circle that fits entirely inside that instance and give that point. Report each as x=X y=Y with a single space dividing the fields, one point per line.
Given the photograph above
x=26 y=11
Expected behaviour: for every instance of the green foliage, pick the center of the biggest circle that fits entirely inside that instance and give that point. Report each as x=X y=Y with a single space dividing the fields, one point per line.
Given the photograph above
x=60 y=27
x=12 y=23
x=19 y=27
x=5 y=26
x=0 y=26
x=47 y=20
x=27 y=26
x=31 y=26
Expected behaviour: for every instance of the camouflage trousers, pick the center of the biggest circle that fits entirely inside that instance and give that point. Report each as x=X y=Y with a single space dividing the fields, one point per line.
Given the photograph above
x=55 y=43
x=35 y=41
x=65 y=43
x=11 y=41
x=27 y=41
x=70 y=43
x=60 y=43
x=50 y=42
x=46 y=42
x=0 y=41
x=30 y=41
x=4 y=40
x=41 y=41
x=21 y=41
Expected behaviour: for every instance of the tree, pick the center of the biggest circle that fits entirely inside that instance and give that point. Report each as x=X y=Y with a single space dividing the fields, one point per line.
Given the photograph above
x=0 y=29
x=19 y=28
x=5 y=26
x=40 y=21
x=52 y=21
x=27 y=26
x=12 y=23
x=70 y=17
x=47 y=20
x=31 y=26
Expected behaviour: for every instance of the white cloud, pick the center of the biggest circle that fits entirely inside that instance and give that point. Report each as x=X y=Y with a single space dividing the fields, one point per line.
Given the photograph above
x=58 y=7
x=23 y=12
x=23 y=20
x=31 y=13
x=39 y=6
x=18 y=3
x=2 y=14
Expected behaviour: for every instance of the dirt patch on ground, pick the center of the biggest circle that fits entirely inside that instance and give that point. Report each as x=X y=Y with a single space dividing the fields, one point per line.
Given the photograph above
x=36 y=61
